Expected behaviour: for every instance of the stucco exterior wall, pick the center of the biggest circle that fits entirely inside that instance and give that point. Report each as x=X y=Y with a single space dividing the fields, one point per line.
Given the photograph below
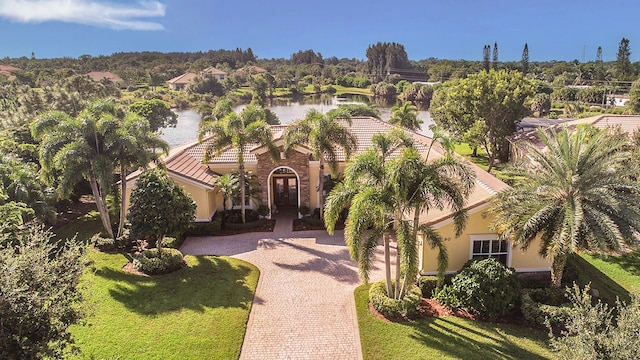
x=199 y=195
x=459 y=249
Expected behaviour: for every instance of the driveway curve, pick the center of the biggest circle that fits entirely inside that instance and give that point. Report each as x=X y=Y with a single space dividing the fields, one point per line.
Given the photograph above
x=303 y=306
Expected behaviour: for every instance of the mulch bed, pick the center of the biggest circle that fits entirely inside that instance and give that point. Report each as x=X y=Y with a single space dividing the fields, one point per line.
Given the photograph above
x=300 y=225
x=267 y=227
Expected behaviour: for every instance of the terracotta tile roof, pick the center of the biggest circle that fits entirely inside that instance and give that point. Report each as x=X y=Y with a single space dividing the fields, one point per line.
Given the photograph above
x=99 y=75
x=182 y=79
x=252 y=69
x=8 y=68
x=213 y=71
x=626 y=123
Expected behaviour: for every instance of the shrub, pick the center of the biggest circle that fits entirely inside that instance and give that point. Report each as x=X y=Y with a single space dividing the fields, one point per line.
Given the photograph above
x=249 y=225
x=263 y=210
x=446 y=297
x=205 y=228
x=539 y=305
x=427 y=285
x=304 y=210
x=486 y=288
x=153 y=262
x=235 y=216
x=172 y=242
x=313 y=221
x=103 y=242
x=392 y=308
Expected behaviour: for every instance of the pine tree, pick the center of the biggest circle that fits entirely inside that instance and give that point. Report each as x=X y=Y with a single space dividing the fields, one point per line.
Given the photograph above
x=599 y=55
x=623 y=64
x=486 y=55
x=525 y=59
x=495 y=56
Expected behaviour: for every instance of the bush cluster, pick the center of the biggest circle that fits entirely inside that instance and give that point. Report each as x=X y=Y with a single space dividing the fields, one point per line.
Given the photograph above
x=537 y=305
x=235 y=216
x=105 y=243
x=391 y=308
x=154 y=262
x=427 y=285
x=205 y=228
x=485 y=287
x=254 y=224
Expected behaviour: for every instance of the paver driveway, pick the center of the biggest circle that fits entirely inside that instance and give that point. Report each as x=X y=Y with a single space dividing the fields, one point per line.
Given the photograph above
x=303 y=306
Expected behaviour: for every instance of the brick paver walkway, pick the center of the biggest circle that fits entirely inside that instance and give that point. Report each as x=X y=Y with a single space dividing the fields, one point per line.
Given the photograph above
x=304 y=306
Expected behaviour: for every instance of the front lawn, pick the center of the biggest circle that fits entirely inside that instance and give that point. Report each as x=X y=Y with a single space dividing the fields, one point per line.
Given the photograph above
x=445 y=338
x=199 y=312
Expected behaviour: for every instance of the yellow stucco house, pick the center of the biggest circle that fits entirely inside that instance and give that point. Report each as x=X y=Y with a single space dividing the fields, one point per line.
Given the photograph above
x=293 y=181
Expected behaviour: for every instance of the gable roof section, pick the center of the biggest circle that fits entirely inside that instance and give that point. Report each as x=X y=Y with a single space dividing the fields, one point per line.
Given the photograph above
x=8 y=70
x=182 y=79
x=99 y=75
x=213 y=71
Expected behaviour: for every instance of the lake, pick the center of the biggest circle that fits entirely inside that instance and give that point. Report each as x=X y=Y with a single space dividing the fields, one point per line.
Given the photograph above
x=287 y=111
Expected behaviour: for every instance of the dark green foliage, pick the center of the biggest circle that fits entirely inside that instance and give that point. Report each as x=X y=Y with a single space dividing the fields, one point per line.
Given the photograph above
x=486 y=288
x=304 y=210
x=350 y=81
x=159 y=261
x=541 y=307
x=249 y=225
x=205 y=228
x=525 y=59
x=596 y=331
x=383 y=58
x=427 y=285
x=235 y=216
x=263 y=210
x=159 y=207
x=39 y=295
x=391 y=308
x=356 y=110
x=156 y=112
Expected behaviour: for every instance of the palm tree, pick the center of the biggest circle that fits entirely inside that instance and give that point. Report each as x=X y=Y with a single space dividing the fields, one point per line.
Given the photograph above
x=227 y=185
x=75 y=148
x=577 y=196
x=422 y=185
x=405 y=115
x=240 y=132
x=323 y=134
x=133 y=145
x=368 y=193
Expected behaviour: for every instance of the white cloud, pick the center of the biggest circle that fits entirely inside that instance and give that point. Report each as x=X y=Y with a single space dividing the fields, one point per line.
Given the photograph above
x=88 y=12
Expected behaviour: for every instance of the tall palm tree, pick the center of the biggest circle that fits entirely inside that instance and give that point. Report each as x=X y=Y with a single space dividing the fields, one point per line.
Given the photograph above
x=370 y=197
x=238 y=131
x=323 y=134
x=405 y=115
x=134 y=144
x=76 y=148
x=227 y=185
x=577 y=196
x=422 y=185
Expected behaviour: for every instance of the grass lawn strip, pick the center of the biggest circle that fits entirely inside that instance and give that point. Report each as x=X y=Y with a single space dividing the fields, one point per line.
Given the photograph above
x=199 y=312
x=445 y=338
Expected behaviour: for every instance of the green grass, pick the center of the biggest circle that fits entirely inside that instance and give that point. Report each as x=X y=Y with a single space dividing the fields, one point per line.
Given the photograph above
x=445 y=338
x=351 y=90
x=84 y=227
x=199 y=312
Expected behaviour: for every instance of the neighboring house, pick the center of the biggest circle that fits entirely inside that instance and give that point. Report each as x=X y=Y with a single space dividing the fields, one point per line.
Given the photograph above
x=7 y=70
x=293 y=182
x=519 y=141
x=100 y=76
x=215 y=73
x=252 y=70
x=181 y=81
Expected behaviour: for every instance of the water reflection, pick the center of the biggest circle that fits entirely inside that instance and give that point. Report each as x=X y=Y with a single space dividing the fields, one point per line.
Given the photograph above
x=287 y=110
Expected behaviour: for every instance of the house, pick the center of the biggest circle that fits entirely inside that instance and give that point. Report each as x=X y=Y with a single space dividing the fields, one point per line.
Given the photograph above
x=251 y=70
x=8 y=70
x=215 y=73
x=521 y=140
x=293 y=181
x=180 y=82
x=100 y=76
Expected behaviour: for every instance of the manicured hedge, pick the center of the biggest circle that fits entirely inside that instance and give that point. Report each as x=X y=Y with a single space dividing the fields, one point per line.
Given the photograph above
x=391 y=308
x=427 y=285
x=246 y=226
x=537 y=308
x=154 y=262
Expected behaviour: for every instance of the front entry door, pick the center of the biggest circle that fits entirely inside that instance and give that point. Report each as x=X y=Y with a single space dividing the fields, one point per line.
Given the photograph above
x=285 y=191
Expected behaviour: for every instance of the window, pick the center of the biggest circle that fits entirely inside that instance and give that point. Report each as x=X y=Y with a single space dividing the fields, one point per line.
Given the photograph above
x=483 y=247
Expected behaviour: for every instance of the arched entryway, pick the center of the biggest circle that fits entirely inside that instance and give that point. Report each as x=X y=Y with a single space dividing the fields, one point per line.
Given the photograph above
x=283 y=190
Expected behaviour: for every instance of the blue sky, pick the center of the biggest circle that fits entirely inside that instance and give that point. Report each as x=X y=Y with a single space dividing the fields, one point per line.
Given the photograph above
x=554 y=30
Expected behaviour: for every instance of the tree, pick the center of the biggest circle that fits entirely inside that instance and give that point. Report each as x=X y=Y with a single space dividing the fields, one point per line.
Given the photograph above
x=20 y=183
x=75 y=148
x=594 y=331
x=355 y=110
x=541 y=103
x=495 y=56
x=227 y=185
x=486 y=57
x=496 y=98
x=384 y=57
x=159 y=207
x=239 y=132
x=405 y=115
x=156 y=112
x=623 y=63
x=577 y=196
x=134 y=146
x=525 y=59
x=322 y=134
x=368 y=194
x=39 y=295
